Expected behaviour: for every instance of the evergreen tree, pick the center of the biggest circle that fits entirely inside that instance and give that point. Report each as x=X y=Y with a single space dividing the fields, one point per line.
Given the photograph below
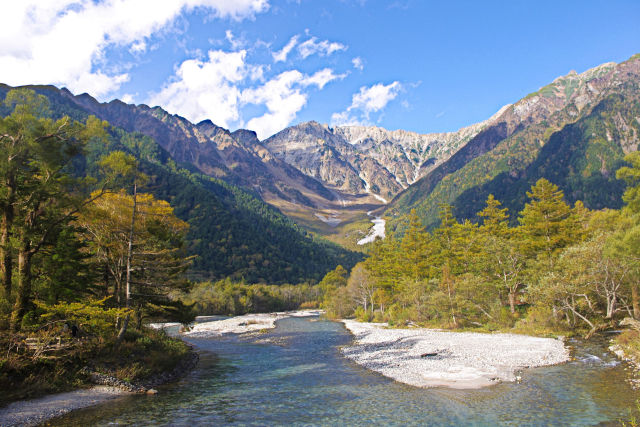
x=500 y=254
x=38 y=196
x=546 y=224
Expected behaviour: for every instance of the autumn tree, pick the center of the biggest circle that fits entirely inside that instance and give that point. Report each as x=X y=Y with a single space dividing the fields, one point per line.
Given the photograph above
x=156 y=268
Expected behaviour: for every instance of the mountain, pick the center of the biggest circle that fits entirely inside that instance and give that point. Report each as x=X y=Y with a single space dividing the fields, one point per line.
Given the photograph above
x=356 y=161
x=574 y=132
x=232 y=231
x=237 y=158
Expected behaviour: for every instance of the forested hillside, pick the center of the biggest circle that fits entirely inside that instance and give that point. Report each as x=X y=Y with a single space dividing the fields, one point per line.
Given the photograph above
x=232 y=232
x=573 y=132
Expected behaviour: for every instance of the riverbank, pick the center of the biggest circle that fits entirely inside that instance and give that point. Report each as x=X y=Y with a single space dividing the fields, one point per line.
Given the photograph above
x=243 y=324
x=36 y=411
x=433 y=358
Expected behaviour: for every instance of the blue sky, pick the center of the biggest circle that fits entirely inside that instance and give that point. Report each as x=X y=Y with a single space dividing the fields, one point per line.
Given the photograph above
x=417 y=65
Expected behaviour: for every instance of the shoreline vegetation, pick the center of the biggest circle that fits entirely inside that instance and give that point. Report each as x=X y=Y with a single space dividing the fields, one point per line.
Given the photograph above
x=420 y=357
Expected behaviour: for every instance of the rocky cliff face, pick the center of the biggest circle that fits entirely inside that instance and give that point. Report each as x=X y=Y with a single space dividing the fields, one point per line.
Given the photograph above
x=311 y=169
x=361 y=160
x=236 y=157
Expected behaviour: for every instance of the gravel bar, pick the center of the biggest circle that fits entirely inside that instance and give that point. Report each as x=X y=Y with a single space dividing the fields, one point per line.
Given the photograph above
x=433 y=358
x=244 y=324
x=36 y=411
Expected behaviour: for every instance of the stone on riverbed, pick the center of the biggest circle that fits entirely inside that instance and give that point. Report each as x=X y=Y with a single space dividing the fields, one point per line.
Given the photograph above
x=463 y=359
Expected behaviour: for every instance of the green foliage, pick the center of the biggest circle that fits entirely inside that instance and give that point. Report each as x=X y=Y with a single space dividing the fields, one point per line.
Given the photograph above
x=562 y=269
x=631 y=175
x=579 y=154
x=93 y=317
x=227 y=297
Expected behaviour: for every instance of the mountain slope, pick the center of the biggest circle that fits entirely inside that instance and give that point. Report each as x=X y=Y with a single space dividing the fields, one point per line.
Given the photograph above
x=232 y=232
x=237 y=158
x=556 y=133
x=360 y=160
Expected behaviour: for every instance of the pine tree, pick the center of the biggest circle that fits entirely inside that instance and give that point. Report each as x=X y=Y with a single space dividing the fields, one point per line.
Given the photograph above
x=500 y=253
x=546 y=223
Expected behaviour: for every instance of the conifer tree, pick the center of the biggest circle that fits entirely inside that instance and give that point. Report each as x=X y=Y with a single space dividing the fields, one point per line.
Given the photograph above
x=546 y=223
x=500 y=253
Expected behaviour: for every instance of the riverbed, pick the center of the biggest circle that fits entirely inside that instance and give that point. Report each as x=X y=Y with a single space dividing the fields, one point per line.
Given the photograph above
x=295 y=374
x=377 y=231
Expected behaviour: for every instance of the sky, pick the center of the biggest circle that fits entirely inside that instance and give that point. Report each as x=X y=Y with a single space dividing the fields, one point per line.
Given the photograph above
x=419 y=65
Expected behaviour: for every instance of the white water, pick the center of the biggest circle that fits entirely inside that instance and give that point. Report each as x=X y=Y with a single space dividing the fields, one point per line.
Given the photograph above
x=378 y=230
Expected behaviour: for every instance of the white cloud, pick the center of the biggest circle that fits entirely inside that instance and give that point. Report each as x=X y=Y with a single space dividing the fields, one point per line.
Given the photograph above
x=283 y=97
x=207 y=89
x=322 y=77
x=235 y=42
x=211 y=89
x=368 y=100
x=138 y=47
x=322 y=48
x=63 y=42
x=358 y=63
x=281 y=55
x=128 y=98
x=374 y=98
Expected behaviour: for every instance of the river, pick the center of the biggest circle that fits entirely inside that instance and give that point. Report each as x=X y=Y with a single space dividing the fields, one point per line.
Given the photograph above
x=295 y=375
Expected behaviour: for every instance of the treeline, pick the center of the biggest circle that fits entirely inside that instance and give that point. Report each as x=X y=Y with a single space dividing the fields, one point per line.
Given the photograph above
x=559 y=268
x=61 y=242
x=227 y=297
x=232 y=232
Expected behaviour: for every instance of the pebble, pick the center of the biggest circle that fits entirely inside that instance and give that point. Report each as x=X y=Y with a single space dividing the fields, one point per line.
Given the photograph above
x=464 y=360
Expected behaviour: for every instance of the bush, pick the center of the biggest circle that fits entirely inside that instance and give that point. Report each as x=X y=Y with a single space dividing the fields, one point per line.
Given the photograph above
x=361 y=315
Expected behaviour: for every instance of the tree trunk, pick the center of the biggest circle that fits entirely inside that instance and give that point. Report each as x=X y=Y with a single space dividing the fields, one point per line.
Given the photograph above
x=106 y=280
x=635 y=301
x=123 y=329
x=512 y=302
x=23 y=295
x=6 y=259
x=130 y=247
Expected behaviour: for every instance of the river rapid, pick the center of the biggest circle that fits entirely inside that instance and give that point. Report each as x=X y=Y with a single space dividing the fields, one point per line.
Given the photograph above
x=295 y=375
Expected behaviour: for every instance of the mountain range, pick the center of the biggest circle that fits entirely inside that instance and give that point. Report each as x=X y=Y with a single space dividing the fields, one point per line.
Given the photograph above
x=574 y=132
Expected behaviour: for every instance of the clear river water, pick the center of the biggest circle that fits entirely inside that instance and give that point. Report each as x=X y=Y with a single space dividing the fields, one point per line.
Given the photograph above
x=295 y=375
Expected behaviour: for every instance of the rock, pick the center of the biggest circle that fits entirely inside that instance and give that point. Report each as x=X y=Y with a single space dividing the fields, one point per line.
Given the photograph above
x=152 y=391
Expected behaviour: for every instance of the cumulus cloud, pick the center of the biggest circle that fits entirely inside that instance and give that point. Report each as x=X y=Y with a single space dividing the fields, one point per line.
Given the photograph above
x=283 y=97
x=207 y=89
x=62 y=42
x=322 y=48
x=210 y=89
x=366 y=101
x=281 y=55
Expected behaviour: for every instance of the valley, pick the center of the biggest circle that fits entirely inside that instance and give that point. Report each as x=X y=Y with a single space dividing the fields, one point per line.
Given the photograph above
x=269 y=212
x=326 y=179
